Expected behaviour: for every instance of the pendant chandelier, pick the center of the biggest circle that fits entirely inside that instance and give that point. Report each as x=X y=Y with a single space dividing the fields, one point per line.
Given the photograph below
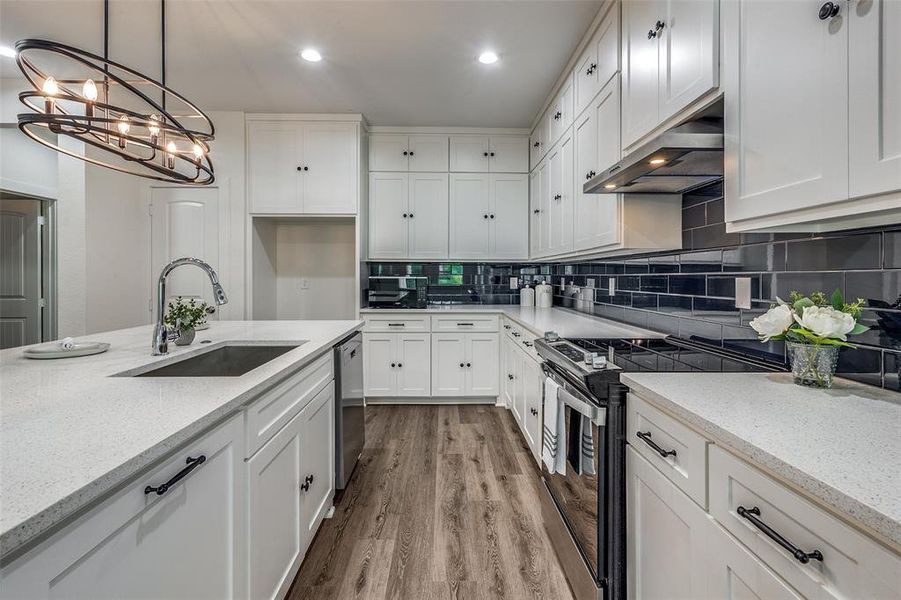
x=144 y=127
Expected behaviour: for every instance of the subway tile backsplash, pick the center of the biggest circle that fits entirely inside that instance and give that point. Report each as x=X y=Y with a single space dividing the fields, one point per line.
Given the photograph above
x=690 y=293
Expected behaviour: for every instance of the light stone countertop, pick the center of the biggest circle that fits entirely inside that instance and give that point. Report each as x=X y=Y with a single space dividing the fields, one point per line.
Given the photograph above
x=567 y=323
x=842 y=446
x=70 y=433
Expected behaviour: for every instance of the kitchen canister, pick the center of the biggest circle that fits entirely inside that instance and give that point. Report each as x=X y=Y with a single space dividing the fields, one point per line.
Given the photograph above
x=527 y=296
x=544 y=295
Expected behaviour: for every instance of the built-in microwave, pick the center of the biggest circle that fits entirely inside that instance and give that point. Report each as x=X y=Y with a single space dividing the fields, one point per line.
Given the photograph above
x=398 y=292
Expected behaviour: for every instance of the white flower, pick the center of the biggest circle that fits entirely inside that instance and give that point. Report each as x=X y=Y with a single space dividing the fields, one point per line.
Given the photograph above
x=827 y=322
x=773 y=322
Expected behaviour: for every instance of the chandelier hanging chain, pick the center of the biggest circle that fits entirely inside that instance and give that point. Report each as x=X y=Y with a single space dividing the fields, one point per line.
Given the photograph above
x=148 y=139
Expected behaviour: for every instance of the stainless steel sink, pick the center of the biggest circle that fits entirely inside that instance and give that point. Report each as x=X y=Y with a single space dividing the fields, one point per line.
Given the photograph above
x=230 y=360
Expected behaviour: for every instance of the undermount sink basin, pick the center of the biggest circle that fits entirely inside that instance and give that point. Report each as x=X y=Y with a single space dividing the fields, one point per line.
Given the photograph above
x=231 y=360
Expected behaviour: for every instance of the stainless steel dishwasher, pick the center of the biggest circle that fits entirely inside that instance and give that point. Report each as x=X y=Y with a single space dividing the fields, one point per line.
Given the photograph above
x=349 y=408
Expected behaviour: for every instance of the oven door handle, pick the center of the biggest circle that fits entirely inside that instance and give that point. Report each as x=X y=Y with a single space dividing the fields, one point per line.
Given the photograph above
x=576 y=400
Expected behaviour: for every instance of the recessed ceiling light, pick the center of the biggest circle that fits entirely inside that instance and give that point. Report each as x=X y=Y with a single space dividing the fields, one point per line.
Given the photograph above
x=311 y=55
x=657 y=161
x=487 y=58
x=7 y=52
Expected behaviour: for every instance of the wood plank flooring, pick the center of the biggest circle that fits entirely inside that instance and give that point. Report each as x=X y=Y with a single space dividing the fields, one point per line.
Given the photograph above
x=444 y=505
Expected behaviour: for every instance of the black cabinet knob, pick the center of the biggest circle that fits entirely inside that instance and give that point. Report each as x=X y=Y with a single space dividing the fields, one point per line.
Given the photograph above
x=300 y=168
x=411 y=153
x=490 y=216
x=462 y=365
x=829 y=10
x=659 y=25
x=411 y=215
x=405 y=152
x=652 y=34
x=536 y=144
x=510 y=377
x=468 y=365
x=399 y=365
x=536 y=211
x=557 y=197
x=405 y=215
x=557 y=115
x=485 y=216
x=491 y=153
x=393 y=365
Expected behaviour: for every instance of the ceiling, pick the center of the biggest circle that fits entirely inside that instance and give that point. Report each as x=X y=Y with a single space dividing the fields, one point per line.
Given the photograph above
x=399 y=63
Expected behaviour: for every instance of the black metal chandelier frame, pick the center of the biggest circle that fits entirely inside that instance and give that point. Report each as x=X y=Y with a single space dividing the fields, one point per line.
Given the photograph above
x=153 y=144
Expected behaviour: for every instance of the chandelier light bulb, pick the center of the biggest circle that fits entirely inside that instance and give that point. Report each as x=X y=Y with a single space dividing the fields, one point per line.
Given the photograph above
x=154 y=128
x=89 y=91
x=123 y=126
x=170 y=155
x=198 y=153
x=50 y=87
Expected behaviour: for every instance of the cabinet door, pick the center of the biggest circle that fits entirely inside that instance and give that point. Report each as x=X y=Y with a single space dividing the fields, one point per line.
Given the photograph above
x=275 y=531
x=535 y=147
x=508 y=154
x=273 y=157
x=414 y=365
x=387 y=152
x=561 y=214
x=689 y=53
x=137 y=545
x=544 y=207
x=607 y=46
x=379 y=377
x=482 y=354
x=510 y=356
x=532 y=378
x=875 y=97
x=330 y=184
x=535 y=213
x=585 y=226
x=665 y=536
x=797 y=156
x=640 y=68
x=603 y=218
x=428 y=216
x=470 y=208
x=734 y=573
x=428 y=153
x=561 y=112
x=317 y=459
x=585 y=77
x=387 y=209
x=509 y=216
x=469 y=153
x=449 y=364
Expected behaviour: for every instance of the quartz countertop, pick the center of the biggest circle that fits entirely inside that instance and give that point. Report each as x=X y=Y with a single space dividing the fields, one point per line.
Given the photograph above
x=70 y=431
x=567 y=323
x=842 y=446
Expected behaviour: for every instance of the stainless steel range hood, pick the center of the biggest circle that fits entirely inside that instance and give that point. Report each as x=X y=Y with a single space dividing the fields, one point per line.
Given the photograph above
x=682 y=159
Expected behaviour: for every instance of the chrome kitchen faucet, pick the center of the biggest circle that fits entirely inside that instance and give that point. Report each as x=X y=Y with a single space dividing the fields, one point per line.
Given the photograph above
x=161 y=334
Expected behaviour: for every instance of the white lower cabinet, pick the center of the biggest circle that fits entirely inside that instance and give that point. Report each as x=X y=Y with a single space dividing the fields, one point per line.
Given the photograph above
x=665 y=536
x=465 y=364
x=317 y=462
x=523 y=386
x=185 y=543
x=396 y=364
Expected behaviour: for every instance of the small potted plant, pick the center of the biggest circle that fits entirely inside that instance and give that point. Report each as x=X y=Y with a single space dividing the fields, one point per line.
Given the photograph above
x=186 y=316
x=814 y=329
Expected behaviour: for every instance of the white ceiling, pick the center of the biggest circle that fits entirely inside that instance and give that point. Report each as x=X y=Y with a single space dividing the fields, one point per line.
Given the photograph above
x=399 y=63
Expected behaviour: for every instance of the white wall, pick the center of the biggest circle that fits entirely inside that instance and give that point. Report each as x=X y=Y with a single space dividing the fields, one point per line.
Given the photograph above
x=321 y=252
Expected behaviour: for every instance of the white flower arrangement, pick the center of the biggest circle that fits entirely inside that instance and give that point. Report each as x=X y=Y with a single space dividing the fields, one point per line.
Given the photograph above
x=811 y=320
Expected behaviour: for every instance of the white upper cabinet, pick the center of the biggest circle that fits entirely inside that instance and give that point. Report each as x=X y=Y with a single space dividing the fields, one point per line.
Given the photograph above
x=875 y=97
x=408 y=216
x=419 y=153
x=560 y=113
x=786 y=107
x=489 y=216
x=303 y=167
x=483 y=154
x=669 y=59
x=599 y=61
x=536 y=145
x=560 y=215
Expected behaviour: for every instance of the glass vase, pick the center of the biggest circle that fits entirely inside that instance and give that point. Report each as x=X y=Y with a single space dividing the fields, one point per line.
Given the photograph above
x=813 y=365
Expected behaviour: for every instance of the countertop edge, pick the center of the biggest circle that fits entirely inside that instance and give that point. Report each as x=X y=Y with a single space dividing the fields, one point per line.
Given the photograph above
x=58 y=515
x=849 y=508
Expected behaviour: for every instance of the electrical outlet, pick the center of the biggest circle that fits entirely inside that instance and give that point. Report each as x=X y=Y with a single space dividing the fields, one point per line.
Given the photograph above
x=304 y=283
x=742 y=292
x=590 y=283
x=611 y=286
x=514 y=283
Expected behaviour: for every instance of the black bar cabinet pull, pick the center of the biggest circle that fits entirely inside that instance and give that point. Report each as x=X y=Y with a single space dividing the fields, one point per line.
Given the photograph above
x=396 y=324
x=646 y=436
x=465 y=324
x=192 y=463
x=802 y=557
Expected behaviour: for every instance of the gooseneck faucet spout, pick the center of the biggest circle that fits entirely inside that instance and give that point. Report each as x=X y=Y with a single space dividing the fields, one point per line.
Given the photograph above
x=161 y=334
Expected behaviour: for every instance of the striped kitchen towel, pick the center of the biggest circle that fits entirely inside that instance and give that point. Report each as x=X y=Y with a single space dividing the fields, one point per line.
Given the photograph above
x=553 y=429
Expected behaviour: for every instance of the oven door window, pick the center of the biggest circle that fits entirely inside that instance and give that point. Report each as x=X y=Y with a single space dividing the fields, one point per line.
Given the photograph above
x=577 y=493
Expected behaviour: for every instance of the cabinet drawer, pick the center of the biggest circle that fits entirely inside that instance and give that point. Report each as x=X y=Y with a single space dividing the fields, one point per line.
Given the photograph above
x=679 y=452
x=852 y=565
x=266 y=416
x=465 y=322
x=396 y=322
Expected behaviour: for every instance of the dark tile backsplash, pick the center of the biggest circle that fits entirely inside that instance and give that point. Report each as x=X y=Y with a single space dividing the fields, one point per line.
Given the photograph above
x=690 y=293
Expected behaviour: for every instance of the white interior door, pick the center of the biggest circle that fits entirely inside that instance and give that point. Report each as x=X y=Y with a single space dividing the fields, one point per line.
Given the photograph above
x=387 y=209
x=469 y=215
x=509 y=216
x=875 y=96
x=20 y=272
x=330 y=152
x=428 y=153
x=780 y=54
x=185 y=222
x=414 y=370
x=428 y=216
